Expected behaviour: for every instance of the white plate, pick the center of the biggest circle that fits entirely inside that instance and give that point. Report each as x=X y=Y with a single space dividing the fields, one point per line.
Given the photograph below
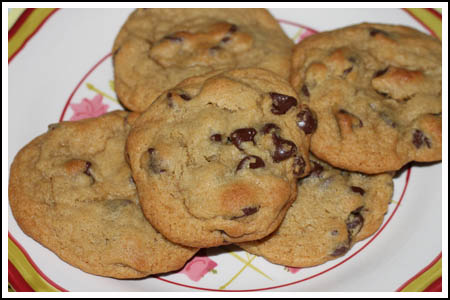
x=68 y=60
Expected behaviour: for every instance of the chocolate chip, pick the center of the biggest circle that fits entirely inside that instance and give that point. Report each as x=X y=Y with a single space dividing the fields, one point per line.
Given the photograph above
x=225 y=39
x=269 y=127
x=281 y=103
x=299 y=166
x=284 y=149
x=380 y=72
x=375 y=31
x=249 y=210
x=242 y=135
x=305 y=90
x=306 y=121
x=169 y=99
x=172 y=38
x=233 y=28
x=419 y=139
x=185 y=97
x=346 y=71
x=357 y=189
x=383 y=94
x=87 y=171
x=216 y=137
x=316 y=169
x=258 y=163
x=354 y=222
x=339 y=251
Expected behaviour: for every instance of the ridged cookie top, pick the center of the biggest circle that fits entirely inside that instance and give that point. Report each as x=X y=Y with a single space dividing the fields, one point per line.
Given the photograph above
x=377 y=93
x=71 y=190
x=216 y=159
x=158 y=48
x=334 y=210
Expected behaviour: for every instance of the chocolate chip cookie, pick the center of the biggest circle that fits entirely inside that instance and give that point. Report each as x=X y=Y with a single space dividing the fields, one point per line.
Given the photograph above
x=157 y=48
x=377 y=93
x=216 y=158
x=71 y=190
x=334 y=210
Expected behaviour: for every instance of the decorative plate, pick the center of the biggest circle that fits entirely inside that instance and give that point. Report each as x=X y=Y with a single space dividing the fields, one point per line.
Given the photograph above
x=60 y=68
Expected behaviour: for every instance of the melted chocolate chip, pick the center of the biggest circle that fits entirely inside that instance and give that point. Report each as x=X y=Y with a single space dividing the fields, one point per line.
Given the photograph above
x=380 y=72
x=305 y=90
x=233 y=28
x=357 y=189
x=419 y=139
x=284 y=149
x=169 y=99
x=87 y=171
x=185 y=97
x=225 y=39
x=242 y=135
x=258 y=163
x=375 y=31
x=172 y=38
x=339 y=251
x=346 y=71
x=299 y=166
x=269 y=127
x=306 y=121
x=354 y=222
x=281 y=103
x=316 y=170
x=216 y=137
x=249 y=210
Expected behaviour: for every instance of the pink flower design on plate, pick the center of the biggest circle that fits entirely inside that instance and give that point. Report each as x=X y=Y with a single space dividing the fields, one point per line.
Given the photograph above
x=293 y=270
x=89 y=108
x=196 y=268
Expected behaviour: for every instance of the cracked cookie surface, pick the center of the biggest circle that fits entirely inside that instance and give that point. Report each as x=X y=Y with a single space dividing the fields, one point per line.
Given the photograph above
x=71 y=190
x=334 y=210
x=377 y=93
x=216 y=158
x=157 y=48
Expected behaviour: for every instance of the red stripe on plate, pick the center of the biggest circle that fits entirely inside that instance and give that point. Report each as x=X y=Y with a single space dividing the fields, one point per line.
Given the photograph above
x=22 y=18
x=421 y=23
x=436 y=286
x=34 y=265
x=435 y=12
x=16 y=280
x=420 y=273
x=31 y=35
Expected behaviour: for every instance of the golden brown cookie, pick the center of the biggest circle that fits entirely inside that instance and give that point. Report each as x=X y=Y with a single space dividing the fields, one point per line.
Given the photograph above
x=334 y=210
x=377 y=93
x=71 y=190
x=157 y=48
x=216 y=158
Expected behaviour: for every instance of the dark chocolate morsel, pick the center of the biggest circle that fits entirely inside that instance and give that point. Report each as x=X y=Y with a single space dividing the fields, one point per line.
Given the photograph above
x=346 y=71
x=316 y=169
x=339 y=251
x=172 y=38
x=258 y=162
x=354 y=222
x=281 y=103
x=233 y=28
x=249 y=210
x=419 y=139
x=305 y=90
x=299 y=166
x=87 y=171
x=380 y=72
x=284 y=149
x=216 y=137
x=153 y=163
x=242 y=135
x=185 y=97
x=225 y=39
x=357 y=189
x=269 y=127
x=306 y=121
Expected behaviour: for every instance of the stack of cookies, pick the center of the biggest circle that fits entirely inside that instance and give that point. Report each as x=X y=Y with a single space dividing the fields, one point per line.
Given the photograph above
x=233 y=135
